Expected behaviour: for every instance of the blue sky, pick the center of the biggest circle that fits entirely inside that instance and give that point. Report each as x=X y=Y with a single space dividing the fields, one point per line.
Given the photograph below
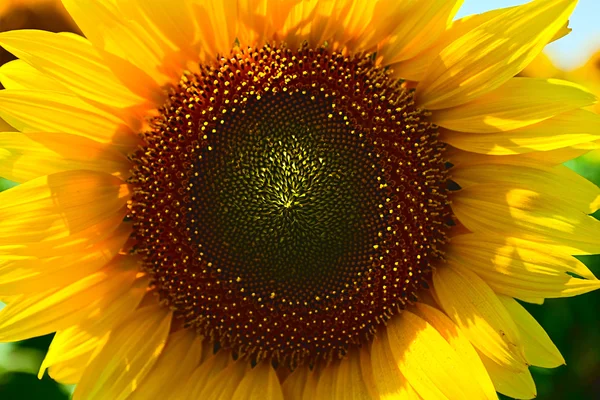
x=570 y=51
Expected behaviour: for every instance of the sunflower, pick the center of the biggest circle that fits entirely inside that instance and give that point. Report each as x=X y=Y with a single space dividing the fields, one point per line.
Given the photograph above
x=292 y=199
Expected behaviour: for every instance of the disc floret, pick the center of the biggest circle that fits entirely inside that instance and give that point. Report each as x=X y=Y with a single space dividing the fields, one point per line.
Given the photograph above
x=289 y=202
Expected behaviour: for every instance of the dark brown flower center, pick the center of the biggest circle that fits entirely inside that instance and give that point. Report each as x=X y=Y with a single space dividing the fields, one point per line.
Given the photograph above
x=289 y=202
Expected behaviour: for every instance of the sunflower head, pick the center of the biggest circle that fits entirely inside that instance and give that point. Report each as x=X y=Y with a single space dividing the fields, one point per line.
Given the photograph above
x=292 y=199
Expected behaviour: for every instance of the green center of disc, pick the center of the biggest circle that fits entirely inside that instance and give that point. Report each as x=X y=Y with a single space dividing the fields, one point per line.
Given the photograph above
x=289 y=196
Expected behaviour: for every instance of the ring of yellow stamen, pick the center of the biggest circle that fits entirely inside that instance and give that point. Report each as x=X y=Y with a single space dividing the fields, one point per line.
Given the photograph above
x=289 y=202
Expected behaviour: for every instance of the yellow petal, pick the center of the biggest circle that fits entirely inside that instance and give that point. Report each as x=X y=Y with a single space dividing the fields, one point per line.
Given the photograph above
x=67 y=369
x=514 y=256
x=421 y=25
x=518 y=385
x=108 y=29
x=260 y=383
x=264 y=20
x=69 y=372
x=414 y=69
x=428 y=362
x=559 y=180
x=169 y=23
x=560 y=156
x=539 y=349
x=495 y=208
x=366 y=371
x=17 y=74
x=219 y=26
x=461 y=345
x=522 y=269
x=25 y=156
x=48 y=246
x=294 y=385
x=33 y=111
x=353 y=380
x=177 y=361
x=53 y=310
x=37 y=274
x=326 y=381
x=310 y=389
x=407 y=27
x=128 y=356
x=517 y=103
x=72 y=61
x=60 y=205
x=532 y=286
x=552 y=157
x=568 y=129
x=357 y=18
x=388 y=379
x=72 y=349
x=354 y=16
x=475 y=308
x=5 y=126
x=491 y=54
x=225 y=383
x=342 y=24
x=123 y=45
x=204 y=374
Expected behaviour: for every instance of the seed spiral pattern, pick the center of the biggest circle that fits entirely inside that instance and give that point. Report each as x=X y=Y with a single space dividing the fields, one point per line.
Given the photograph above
x=287 y=203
